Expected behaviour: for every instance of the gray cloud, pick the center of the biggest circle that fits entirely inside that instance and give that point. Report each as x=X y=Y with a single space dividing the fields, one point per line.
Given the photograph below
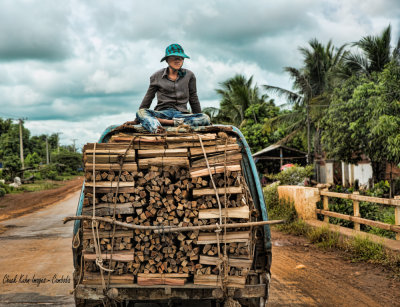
x=75 y=61
x=34 y=30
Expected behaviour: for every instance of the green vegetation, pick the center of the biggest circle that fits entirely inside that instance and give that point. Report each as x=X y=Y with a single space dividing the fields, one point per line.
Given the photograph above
x=293 y=175
x=64 y=162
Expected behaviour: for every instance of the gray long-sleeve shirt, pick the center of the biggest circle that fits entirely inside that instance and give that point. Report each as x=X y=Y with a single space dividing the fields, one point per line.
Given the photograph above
x=172 y=94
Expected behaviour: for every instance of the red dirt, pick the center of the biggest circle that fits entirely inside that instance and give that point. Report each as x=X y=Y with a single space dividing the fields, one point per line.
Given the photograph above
x=14 y=205
x=326 y=278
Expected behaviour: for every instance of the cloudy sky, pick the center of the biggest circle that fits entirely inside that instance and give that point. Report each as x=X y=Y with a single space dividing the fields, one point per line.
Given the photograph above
x=76 y=66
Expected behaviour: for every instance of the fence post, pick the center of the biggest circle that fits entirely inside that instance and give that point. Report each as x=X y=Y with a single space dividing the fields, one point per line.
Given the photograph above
x=397 y=217
x=325 y=202
x=356 y=211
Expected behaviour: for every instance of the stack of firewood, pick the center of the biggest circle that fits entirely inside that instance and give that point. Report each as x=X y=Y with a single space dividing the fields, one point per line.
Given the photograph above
x=165 y=181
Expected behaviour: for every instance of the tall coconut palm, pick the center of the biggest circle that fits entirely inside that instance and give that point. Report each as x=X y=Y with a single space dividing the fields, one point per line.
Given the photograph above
x=310 y=83
x=376 y=52
x=237 y=94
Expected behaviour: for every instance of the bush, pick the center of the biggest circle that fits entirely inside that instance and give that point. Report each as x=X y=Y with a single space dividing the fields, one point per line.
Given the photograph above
x=49 y=172
x=2 y=192
x=278 y=209
x=293 y=175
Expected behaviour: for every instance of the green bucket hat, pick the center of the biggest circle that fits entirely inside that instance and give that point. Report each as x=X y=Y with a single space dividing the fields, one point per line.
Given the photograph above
x=174 y=50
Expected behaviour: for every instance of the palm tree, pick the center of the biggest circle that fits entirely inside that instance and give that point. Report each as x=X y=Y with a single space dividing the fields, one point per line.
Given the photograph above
x=310 y=84
x=376 y=53
x=237 y=95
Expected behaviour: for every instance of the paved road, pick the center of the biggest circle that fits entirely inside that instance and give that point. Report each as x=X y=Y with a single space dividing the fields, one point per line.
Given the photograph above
x=37 y=247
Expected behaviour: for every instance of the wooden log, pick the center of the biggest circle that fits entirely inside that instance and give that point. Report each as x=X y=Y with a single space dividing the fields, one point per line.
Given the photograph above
x=229 y=190
x=211 y=238
x=215 y=170
x=149 y=153
x=238 y=212
x=213 y=149
x=87 y=234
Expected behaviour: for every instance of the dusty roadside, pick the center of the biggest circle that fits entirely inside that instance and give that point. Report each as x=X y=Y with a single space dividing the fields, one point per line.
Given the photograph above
x=305 y=275
x=14 y=205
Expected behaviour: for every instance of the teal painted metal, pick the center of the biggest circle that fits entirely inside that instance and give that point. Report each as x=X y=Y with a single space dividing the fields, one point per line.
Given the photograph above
x=250 y=171
x=254 y=183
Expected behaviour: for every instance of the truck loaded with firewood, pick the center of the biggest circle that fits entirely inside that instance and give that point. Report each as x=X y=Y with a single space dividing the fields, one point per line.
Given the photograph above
x=171 y=217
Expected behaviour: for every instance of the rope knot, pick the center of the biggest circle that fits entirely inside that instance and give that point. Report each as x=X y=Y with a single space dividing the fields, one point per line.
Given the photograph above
x=219 y=229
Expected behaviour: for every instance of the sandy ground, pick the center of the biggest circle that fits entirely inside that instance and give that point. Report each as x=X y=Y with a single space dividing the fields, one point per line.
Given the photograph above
x=38 y=246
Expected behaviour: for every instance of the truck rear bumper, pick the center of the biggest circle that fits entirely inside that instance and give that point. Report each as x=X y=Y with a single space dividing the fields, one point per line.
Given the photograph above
x=189 y=291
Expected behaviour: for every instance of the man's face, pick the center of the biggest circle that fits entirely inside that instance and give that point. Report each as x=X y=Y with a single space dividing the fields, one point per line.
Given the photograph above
x=175 y=62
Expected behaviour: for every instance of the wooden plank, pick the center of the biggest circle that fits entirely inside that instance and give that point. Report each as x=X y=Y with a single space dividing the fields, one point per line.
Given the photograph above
x=385 y=201
x=215 y=280
x=108 y=158
x=104 y=209
x=95 y=278
x=360 y=220
x=215 y=170
x=164 y=275
x=110 y=189
x=164 y=161
x=87 y=234
x=233 y=262
x=230 y=237
x=229 y=190
x=143 y=281
x=130 y=167
x=238 y=212
x=109 y=184
x=218 y=159
x=149 y=153
x=123 y=256
x=109 y=151
x=213 y=149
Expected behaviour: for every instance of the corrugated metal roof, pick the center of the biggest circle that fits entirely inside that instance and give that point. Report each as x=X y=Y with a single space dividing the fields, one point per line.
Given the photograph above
x=276 y=146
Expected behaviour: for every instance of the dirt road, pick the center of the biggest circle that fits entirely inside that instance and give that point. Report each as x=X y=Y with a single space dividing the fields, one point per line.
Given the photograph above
x=37 y=246
x=304 y=275
x=36 y=257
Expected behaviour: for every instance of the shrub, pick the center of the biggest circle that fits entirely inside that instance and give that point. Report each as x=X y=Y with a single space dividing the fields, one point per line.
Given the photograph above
x=293 y=175
x=278 y=209
x=2 y=192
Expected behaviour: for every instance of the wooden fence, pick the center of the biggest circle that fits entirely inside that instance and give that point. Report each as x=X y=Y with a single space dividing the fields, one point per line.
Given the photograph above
x=356 y=218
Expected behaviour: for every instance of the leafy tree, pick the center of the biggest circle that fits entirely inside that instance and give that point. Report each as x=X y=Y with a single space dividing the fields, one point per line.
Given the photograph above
x=33 y=160
x=364 y=118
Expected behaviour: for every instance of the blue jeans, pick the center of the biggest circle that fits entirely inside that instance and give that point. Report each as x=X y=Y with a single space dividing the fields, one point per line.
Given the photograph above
x=148 y=118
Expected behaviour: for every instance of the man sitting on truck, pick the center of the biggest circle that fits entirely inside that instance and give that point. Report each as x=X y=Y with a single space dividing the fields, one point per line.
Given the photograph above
x=175 y=87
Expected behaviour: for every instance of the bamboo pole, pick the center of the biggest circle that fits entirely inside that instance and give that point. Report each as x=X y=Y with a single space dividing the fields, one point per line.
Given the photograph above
x=163 y=229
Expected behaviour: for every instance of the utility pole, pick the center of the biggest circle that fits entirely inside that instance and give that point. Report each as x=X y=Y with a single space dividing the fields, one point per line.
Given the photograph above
x=47 y=151
x=73 y=140
x=58 y=141
x=21 y=143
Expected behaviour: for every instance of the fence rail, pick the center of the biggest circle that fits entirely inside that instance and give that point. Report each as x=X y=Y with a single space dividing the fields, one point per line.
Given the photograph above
x=356 y=217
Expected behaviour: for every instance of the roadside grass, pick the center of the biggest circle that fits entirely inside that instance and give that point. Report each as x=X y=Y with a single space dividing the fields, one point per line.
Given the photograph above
x=41 y=185
x=358 y=249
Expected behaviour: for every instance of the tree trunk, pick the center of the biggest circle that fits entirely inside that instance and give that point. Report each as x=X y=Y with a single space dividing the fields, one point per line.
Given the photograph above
x=378 y=170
